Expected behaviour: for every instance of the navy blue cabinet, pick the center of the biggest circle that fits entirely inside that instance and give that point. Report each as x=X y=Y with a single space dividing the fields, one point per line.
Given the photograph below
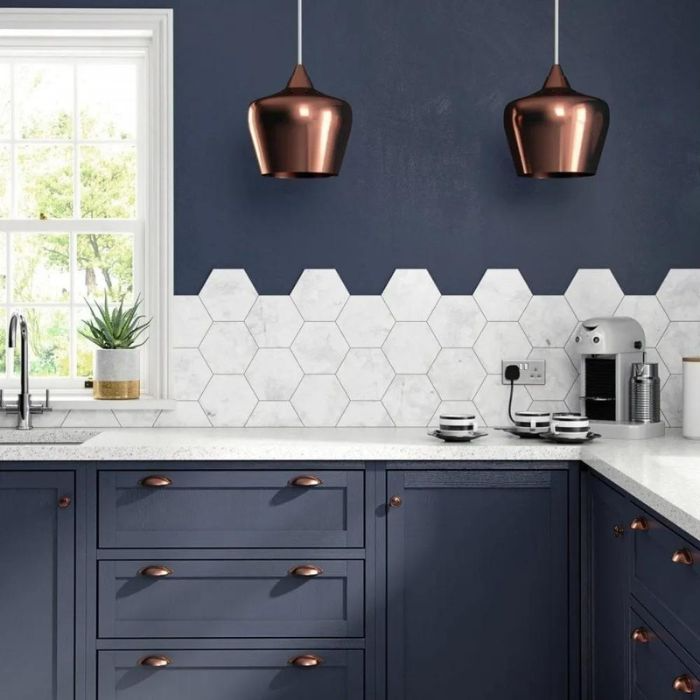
x=610 y=516
x=477 y=584
x=37 y=560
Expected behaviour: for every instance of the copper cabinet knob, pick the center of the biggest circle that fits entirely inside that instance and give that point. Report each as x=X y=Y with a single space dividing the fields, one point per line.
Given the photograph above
x=64 y=502
x=306 y=661
x=639 y=524
x=306 y=571
x=155 y=661
x=156 y=571
x=640 y=635
x=305 y=481
x=684 y=684
x=395 y=501
x=156 y=481
x=682 y=556
x=618 y=531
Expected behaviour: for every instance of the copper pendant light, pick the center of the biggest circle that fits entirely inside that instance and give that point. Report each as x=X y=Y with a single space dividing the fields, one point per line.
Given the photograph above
x=556 y=132
x=300 y=132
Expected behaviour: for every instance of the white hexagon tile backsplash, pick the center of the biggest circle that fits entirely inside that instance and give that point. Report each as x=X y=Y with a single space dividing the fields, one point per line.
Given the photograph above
x=323 y=357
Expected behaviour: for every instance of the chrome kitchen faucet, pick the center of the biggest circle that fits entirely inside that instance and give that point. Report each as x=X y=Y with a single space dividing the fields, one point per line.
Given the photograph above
x=24 y=406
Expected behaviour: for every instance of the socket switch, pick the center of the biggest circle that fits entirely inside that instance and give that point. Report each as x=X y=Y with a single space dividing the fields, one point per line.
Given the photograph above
x=531 y=371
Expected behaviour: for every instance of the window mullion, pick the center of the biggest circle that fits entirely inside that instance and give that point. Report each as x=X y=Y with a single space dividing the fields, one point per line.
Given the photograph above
x=76 y=162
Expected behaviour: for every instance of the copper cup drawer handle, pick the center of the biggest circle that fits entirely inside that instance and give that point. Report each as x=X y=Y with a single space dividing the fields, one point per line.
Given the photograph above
x=639 y=524
x=684 y=684
x=155 y=661
x=156 y=571
x=156 y=481
x=306 y=571
x=683 y=556
x=306 y=661
x=640 y=635
x=305 y=481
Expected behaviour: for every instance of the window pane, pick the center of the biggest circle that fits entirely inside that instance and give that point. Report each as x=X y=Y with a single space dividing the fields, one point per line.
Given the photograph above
x=45 y=182
x=4 y=182
x=44 y=101
x=49 y=344
x=105 y=264
x=3 y=341
x=107 y=101
x=3 y=269
x=5 y=101
x=108 y=182
x=83 y=347
x=40 y=267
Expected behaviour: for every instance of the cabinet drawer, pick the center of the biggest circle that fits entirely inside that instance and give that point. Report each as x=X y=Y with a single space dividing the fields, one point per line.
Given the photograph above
x=670 y=589
x=656 y=668
x=243 y=598
x=223 y=675
x=231 y=509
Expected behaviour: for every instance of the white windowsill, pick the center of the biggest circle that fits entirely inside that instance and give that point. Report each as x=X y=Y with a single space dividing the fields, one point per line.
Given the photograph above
x=85 y=402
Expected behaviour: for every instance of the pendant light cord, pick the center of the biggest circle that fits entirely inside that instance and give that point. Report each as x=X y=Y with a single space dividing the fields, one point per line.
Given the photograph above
x=556 y=32
x=300 y=29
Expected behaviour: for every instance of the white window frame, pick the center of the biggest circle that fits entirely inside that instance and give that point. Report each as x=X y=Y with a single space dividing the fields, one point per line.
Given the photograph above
x=147 y=33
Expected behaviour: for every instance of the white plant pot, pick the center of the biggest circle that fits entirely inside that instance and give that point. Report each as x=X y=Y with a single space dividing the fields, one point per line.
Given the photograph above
x=117 y=374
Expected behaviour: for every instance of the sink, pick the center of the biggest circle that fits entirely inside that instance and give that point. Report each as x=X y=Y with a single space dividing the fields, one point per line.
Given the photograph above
x=45 y=436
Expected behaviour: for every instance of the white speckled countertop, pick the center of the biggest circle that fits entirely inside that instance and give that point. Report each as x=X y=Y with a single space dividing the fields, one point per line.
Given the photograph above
x=664 y=472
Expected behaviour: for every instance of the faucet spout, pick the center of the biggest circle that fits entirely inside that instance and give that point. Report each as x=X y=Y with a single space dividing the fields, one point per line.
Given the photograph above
x=24 y=403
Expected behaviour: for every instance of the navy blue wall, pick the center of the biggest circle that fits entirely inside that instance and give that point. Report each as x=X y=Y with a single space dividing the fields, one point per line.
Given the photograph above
x=427 y=180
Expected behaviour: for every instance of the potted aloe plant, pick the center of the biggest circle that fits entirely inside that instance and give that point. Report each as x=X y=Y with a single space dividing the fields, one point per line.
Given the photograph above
x=117 y=332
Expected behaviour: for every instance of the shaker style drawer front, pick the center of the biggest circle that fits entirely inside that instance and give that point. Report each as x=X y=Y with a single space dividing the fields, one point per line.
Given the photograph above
x=657 y=672
x=287 y=674
x=243 y=598
x=220 y=509
x=666 y=578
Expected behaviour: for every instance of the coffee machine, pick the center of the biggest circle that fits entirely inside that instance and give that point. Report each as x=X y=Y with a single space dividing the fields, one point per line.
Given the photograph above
x=609 y=347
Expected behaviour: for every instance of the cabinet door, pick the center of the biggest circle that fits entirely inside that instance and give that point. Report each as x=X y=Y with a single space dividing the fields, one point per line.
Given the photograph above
x=36 y=580
x=477 y=585
x=610 y=515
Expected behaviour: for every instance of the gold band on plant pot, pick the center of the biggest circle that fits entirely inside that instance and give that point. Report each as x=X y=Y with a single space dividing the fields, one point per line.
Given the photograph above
x=116 y=390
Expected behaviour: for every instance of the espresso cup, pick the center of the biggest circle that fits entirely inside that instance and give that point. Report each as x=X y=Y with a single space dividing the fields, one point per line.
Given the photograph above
x=570 y=425
x=457 y=424
x=535 y=421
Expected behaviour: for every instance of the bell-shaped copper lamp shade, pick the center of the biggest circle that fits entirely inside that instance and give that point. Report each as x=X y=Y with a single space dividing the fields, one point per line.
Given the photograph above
x=556 y=132
x=300 y=132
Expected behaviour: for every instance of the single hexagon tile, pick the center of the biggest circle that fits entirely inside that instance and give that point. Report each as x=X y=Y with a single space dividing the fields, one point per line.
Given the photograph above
x=274 y=374
x=411 y=295
x=320 y=400
x=187 y=414
x=192 y=321
x=680 y=340
x=549 y=406
x=411 y=347
x=457 y=321
x=136 y=419
x=228 y=295
x=274 y=414
x=501 y=340
x=679 y=294
x=457 y=374
x=650 y=314
x=492 y=401
x=319 y=295
x=365 y=374
x=411 y=400
x=365 y=321
x=457 y=408
x=560 y=375
x=190 y=374
x=228 y=348
x=672 y=401
x=365 y=414
x=228 y=401
x=548 y=321
x=274 y=321
x=593 y=293
x=319 y=347
x=90 y=419
x=502 y=295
